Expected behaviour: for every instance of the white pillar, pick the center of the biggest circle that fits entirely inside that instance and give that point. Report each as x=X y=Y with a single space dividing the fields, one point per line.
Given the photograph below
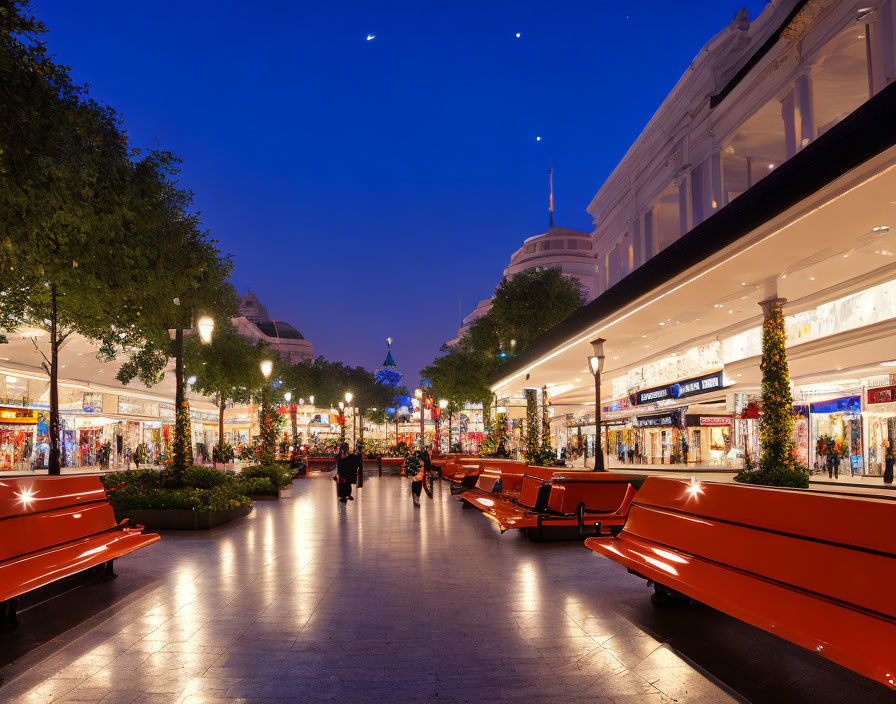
x=684 y=209
x=718 y=194
x=880 y=34
x=788 y=115
x=649 y=234
x=804 y=107
x=635 y=229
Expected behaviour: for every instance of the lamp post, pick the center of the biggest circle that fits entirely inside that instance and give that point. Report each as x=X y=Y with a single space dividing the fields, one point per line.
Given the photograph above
x=596 y=363
x=264 y=417
x=348 y=399
x=292 y=416
x=205 y=326
x=418 y=394
x=443 y=404
x=342 y=425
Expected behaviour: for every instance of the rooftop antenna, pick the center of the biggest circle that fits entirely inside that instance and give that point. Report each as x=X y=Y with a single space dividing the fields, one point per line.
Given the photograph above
x=551 y=199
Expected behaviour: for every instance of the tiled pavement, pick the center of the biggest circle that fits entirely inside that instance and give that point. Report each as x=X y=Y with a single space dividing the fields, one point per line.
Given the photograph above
x=306 y=600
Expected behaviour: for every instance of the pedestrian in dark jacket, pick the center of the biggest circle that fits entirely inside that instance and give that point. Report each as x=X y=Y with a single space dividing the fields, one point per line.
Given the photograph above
x=347 y=467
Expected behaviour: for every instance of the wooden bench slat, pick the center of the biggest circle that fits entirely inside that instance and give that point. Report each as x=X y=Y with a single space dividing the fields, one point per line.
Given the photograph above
x=26 y=534
x=23 y=574
x=27 y=495
x=857 y=640
x=795 y=563
x=853 y=575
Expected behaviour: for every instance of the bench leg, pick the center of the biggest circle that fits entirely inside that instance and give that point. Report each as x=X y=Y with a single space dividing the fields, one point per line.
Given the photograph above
x=664 y=595
x=8 y=614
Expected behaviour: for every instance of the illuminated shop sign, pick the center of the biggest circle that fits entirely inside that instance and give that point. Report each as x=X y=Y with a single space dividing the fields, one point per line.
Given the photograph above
x=845 y=404
x=883 y=394
x=92 y=403
x=660 y=421
x=17 y=415
x=681 y=389
x=695 y=421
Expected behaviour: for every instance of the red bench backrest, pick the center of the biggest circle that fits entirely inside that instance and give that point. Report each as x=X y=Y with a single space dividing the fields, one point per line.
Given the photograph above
x=597 y=491
x=39 y=512
x=840 y=546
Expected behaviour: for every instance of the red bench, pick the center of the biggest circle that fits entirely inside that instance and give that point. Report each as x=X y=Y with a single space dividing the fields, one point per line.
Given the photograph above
x=328 y=462
x=465 y=471
x=555 y=502
x=813 y=568
x=54 y=527
x=395 y=465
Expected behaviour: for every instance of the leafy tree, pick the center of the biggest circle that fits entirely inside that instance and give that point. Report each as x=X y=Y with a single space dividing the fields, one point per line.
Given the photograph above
x=460 y=375
x=531 y=303
x=228 y=368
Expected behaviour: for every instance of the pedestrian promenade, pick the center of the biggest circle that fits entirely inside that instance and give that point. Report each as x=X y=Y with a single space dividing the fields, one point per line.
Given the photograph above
x=308 y=600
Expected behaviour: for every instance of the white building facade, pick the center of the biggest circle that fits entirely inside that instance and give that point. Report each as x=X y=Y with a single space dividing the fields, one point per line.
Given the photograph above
x=769 y=172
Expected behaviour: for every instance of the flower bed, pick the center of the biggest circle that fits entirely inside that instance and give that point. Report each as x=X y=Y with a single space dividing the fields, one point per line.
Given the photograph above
x=203 y=497
x=265 y=480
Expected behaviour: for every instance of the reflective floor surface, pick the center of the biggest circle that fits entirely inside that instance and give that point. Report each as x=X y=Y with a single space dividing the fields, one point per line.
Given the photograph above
x=308 y=600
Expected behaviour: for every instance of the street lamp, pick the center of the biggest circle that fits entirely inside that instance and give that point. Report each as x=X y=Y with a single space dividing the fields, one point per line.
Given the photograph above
x=205 y=325
x=342 y=413
x=418 y=394
x=596 y=363
x=266 y=367
x=287 y=396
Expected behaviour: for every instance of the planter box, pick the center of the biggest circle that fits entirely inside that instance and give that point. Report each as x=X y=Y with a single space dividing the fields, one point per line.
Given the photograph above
x=181 y=519
x=264 y=497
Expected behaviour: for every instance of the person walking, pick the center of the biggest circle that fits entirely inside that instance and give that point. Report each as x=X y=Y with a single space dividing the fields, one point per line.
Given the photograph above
x=347 y=466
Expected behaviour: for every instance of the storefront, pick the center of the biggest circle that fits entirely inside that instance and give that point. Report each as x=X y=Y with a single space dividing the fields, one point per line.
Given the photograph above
x=880 y=427
x=709 y=439
x=659 y=437
x=18 y=437
x=838 y=420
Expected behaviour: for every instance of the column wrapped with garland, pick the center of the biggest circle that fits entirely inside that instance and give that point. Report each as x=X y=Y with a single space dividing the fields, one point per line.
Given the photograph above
x=533 y=427
x=182 y=452
x=269 y=422
x=777 y=465
x=547 y=456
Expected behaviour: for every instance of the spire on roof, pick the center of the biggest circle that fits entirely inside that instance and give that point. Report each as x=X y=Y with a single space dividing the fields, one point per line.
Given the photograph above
x=551 y=198
x=388 y=374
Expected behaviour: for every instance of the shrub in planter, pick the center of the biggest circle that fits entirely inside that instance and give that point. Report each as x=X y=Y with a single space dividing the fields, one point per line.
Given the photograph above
x=278 y=475
x=206 y=478
x=132 y=497
x=256 y=486
x=796 y=477
x=223 y=452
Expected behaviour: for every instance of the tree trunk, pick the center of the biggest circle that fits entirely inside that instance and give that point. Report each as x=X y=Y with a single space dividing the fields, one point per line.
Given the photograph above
x=55 y=467
x=178 y=463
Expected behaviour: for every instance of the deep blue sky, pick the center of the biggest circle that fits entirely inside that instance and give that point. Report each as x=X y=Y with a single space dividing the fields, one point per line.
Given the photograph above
x=377 y=188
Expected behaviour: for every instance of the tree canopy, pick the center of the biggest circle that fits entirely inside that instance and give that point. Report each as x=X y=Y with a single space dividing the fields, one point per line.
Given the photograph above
x=523 y=308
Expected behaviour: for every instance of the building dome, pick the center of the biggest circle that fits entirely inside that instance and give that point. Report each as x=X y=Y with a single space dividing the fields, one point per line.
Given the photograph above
x=251 y=308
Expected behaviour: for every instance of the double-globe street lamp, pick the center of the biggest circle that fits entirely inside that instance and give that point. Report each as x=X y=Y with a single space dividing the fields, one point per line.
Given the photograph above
x=348 y=400
x=596 y=363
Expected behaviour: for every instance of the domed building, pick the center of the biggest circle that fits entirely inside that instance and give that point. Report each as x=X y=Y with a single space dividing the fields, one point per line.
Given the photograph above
x=254 y=322
x=558 y=248
x=570 y=251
